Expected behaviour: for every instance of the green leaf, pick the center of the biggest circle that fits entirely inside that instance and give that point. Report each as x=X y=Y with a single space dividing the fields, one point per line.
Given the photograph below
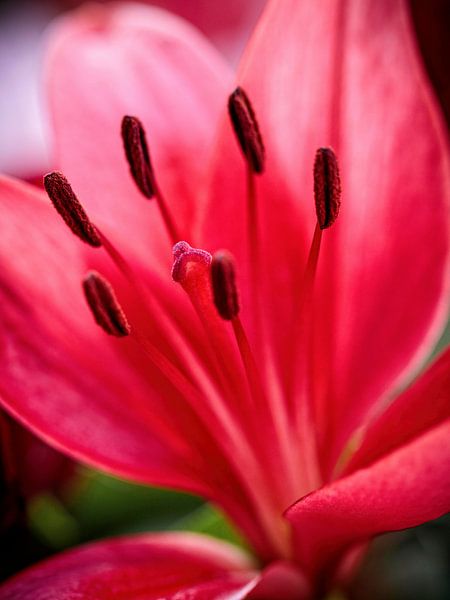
x=51 y=523
x=210 y=520
x=105 y=505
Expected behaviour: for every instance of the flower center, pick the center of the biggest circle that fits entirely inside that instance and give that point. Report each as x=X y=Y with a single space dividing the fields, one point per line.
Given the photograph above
x=266 y=440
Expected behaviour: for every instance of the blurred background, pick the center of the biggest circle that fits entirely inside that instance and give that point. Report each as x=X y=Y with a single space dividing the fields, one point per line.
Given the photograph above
x=48 y=502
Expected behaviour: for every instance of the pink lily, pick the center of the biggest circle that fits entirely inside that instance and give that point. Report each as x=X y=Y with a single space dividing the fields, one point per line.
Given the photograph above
x=314 y=437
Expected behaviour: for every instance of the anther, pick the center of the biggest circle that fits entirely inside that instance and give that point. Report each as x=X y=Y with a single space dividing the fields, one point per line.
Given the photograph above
x=68 y=206
x=104 y=305
x=223 y=279
x=327 y=187
x=138 y=157
x=246 y=129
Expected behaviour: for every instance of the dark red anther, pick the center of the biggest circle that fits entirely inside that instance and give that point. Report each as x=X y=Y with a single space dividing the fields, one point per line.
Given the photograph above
x=223 y=279
x=246 y=128
x=104 y=305
x=138 y=157
x=68 y=206
x=327 y=187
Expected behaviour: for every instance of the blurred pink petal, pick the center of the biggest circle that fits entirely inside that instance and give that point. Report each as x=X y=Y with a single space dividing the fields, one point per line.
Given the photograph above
x=148 y=566
x=23 y=151
x=103 y=64
x=25 y=137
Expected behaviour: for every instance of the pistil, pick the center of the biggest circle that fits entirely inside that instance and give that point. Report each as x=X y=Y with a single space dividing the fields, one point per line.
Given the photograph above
x=191 y=268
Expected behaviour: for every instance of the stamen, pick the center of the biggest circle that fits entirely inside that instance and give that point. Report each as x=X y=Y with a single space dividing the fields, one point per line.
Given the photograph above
x=104 y=305
x=138 y=157
x=246 y=129
x=327 y=192
x=224 y=285
x=68 y=206
x=225 y=295
x=136 y=150
x=327 y=187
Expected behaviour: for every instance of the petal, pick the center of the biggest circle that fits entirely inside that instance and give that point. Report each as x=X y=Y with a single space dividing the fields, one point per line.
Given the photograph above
x=60 y=376
x=396 y=177
x=407 y=487
x=23 y=150
x=108 y=61
x=99 y=398
x=281 y=580
x=422 y=406
x=140 y=567
x=346 y=75
x=227 y=24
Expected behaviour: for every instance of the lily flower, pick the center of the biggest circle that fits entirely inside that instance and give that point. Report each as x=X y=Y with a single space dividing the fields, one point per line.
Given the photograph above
x=273 y=361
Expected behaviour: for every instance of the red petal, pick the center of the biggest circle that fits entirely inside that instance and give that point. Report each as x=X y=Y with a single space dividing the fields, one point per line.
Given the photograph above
x=281 y=580
x=227 y=24
x=59 y=374
x=422 y=406
x=406 y=488
x=141 y=567
x=346 y=75
x=124 y=59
